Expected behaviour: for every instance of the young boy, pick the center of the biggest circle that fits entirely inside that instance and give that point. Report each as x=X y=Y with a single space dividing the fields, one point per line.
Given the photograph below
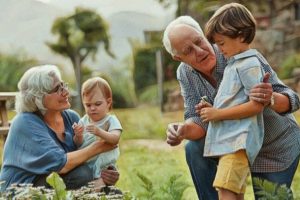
x=97 y=123
x=235 y=132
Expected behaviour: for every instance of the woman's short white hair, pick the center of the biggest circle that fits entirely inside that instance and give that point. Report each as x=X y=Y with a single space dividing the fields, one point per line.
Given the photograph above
x=187 y=20
x=33 y=85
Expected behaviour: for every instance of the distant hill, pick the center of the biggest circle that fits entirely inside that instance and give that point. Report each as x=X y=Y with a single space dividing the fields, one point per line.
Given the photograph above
x=26 y=24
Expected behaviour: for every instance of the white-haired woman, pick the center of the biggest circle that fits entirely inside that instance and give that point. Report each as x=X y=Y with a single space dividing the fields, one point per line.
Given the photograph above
x=40 y=139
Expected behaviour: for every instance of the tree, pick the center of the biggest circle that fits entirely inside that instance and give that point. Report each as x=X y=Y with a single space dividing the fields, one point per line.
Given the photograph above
x=79 y=36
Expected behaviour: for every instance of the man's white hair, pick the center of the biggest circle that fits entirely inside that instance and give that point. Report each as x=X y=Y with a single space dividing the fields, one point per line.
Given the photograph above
x=33 y=85
x=186 y=20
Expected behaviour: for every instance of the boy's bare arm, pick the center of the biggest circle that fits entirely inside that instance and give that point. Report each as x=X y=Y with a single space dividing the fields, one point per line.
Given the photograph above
x=244 y=110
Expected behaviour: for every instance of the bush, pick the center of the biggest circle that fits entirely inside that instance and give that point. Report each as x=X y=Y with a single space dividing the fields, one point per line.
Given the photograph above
x=145 y=73
x=12 y=67
x=292 y=62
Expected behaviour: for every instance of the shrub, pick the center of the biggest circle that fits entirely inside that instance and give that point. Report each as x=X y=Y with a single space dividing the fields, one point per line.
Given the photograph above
x=292 y=62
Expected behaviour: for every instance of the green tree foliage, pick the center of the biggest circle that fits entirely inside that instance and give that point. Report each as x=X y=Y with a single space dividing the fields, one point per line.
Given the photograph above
x=12 y=67
x=145 y=67
x=144 y=71
x=79 y=36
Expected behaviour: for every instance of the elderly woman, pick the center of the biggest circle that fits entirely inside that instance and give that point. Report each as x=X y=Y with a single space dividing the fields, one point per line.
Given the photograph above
x=40 y=139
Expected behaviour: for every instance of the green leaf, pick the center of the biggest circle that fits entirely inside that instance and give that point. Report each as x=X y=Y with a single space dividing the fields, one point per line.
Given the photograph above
x=58 y=185
x=269 y=190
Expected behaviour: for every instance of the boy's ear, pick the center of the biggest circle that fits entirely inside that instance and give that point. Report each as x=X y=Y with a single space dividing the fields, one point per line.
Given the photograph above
x=242 y=39
x=177 y=58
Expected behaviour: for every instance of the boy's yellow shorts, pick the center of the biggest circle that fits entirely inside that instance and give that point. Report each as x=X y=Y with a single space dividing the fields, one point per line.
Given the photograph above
x=232 y=172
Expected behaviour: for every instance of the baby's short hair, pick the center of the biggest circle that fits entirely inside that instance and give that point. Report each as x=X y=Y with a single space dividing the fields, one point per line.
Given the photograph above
x=96 y=82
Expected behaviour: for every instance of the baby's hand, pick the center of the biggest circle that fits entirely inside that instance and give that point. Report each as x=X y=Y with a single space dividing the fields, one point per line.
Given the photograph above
x=92 y=129
x=78 y=129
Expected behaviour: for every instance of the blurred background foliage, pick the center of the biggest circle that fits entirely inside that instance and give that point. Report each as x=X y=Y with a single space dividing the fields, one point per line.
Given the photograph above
x=12 y=67
x=82 y=33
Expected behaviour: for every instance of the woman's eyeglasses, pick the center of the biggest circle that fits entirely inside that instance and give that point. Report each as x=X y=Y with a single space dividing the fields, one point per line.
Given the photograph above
x=59 y=89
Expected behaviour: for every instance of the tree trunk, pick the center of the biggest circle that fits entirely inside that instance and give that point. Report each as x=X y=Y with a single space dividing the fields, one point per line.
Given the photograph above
x=77 y=68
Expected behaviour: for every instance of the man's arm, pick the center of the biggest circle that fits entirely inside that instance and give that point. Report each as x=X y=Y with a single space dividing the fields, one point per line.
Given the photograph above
x=189 y=130
x=281 y=103
x=193 y=128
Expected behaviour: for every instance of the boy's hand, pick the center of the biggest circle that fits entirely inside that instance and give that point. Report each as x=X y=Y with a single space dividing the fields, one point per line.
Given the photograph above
x=203 y=104
x=209 y=114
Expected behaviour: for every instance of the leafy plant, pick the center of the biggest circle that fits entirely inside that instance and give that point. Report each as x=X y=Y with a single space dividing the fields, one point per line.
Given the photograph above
x=148 y=186
x=59 y=187
x=272 y=191
x=173 y=189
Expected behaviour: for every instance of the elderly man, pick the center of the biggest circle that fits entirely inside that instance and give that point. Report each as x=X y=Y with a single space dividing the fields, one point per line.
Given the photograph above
x=199 y=74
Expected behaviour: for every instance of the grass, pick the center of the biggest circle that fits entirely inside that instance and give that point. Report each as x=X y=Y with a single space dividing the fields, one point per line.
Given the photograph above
x=154 y=161
x=144 y=151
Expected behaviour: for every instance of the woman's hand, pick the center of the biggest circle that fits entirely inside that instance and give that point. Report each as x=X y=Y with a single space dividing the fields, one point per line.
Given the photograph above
x=110 y=175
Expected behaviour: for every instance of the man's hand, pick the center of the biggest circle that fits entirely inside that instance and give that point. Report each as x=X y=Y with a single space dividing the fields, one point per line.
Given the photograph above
x=110 y=176
x=262 y=92
x=174 y=133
